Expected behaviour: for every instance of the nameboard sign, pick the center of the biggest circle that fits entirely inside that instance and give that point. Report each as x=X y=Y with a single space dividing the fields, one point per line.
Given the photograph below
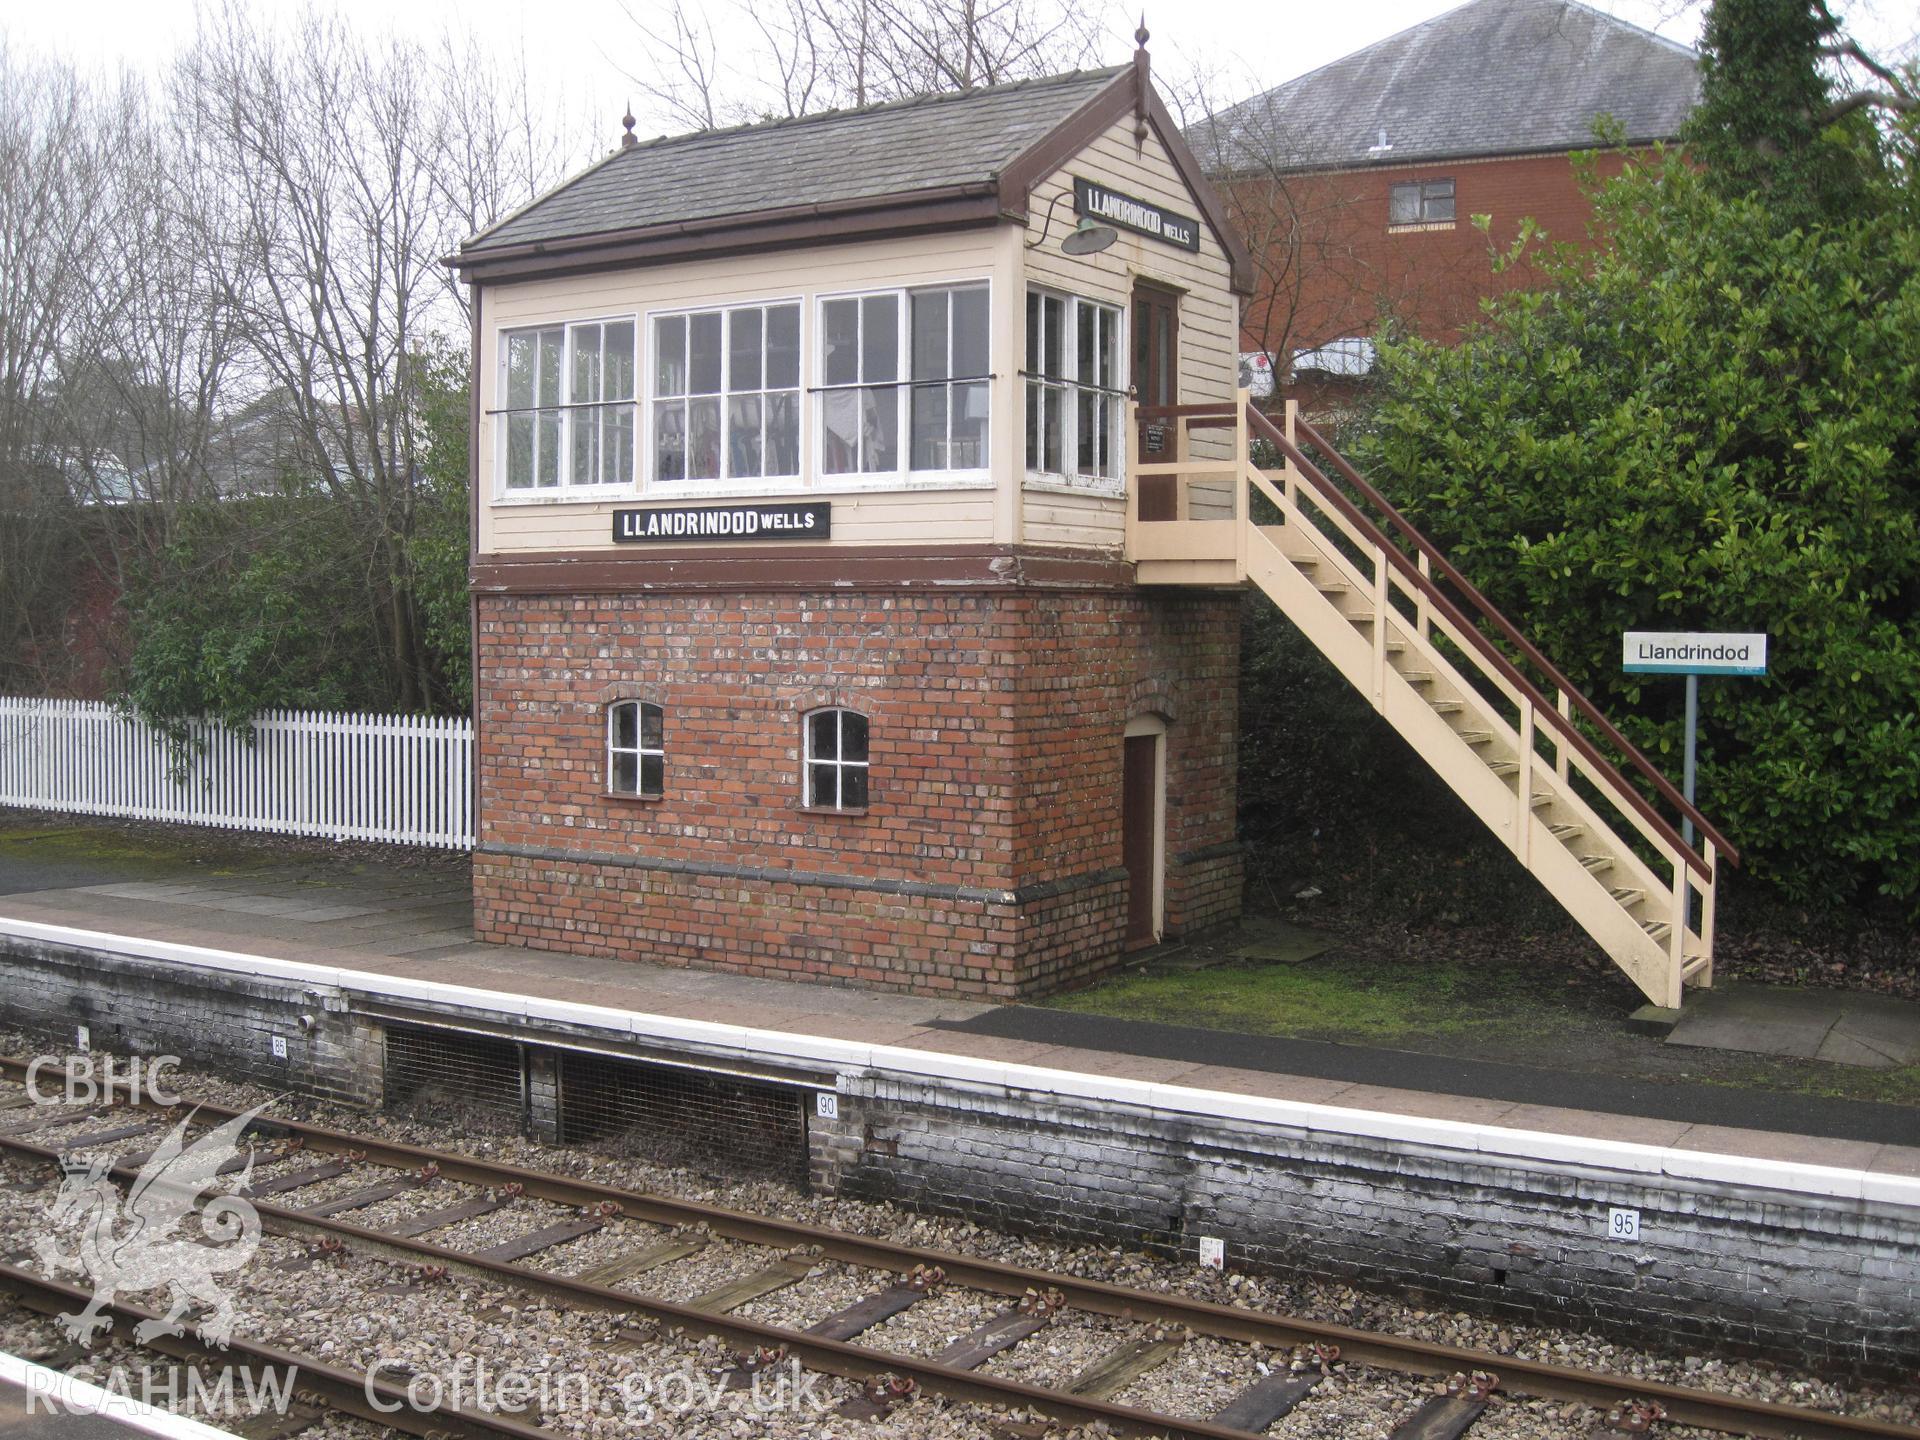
x=809 y=521
x=1143 y=217
x=1662 y=652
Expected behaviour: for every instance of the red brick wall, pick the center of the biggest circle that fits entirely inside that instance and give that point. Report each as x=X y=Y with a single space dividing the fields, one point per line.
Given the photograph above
x=988 y=860
x=1349 y=272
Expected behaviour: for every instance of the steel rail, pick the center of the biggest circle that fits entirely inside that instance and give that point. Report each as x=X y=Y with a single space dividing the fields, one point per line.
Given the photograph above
x=1684 y=1405
x=834 y=1357
x=337 y=1389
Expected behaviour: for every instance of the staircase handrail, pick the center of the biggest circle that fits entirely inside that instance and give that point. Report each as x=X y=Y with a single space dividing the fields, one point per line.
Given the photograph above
x=1548 y=712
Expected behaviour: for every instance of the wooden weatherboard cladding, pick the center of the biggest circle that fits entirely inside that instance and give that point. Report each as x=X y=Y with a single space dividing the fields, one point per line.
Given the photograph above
x=810 y=520
x=1095 y=201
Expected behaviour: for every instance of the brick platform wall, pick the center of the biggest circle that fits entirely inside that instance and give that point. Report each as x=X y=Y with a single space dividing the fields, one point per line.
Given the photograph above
x=1806 y=1280
x=988 y=861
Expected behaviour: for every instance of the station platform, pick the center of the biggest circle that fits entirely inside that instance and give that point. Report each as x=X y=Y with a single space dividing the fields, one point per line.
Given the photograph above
x=400 y=931
x=41 y=1404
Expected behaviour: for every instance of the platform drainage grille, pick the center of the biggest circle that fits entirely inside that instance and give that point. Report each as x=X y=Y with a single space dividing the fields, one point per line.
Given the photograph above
x=690 y=1119
x=444 y=1076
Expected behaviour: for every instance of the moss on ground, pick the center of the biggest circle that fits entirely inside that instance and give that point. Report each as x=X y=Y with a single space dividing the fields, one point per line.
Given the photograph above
x=1520 y=1011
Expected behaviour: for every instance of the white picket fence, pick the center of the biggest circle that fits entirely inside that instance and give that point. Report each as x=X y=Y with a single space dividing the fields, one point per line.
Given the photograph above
x=399 y=778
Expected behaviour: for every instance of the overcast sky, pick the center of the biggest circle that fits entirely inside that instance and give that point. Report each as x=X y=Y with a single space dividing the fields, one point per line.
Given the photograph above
x=586 y=48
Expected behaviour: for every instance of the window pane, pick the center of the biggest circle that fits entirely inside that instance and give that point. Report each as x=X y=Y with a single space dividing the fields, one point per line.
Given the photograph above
x=821 y=789
x=1053 y=359
x=970 y=331
x=930 y=335
x=969 y=450
x=1035 y=461
x=1035 y=335
x=1086 y=347
x=670 y=355
x=743 y=350
x=880 y=337
x=743 y=435
x=853 y=736
x=842 y=342
x=626 y=774
x=783 y=346
x=651 y=725
x=1404 y=205
x=616 y=456
x=1439 y=200
x=550 y=342
x=586 y=446
x=520 y=366
x=624 y=728
x=823 y=735
x=586 y=364
x=1086 y=420
x=840 y=419
x=853 y=787
x=1054 y=430
x=783 y=432
x=670 y=440
x=549 y=448
x=617 y=360
x=703 y=355
x=880 y=410
x=1106 y=347
x=519 y=451
x=930 y=428
x=703 y=439
x=653 y=774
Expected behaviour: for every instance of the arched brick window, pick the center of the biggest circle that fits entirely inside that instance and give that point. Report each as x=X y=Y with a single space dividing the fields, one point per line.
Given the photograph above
x=836 y=759
x=636 y=752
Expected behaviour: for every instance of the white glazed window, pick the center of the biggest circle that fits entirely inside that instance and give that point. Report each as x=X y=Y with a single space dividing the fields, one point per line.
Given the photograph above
x=726 y=394
x=836 y=760
x=1075 y=388
x=567 y=420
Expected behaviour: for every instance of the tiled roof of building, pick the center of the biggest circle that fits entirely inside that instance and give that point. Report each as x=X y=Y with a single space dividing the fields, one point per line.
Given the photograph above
x=1493 y=77
x=931 y=143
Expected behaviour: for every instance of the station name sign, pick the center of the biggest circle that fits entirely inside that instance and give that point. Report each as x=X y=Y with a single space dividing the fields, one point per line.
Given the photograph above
x=812 y=520
x=1662 y=652
x=1143 y=217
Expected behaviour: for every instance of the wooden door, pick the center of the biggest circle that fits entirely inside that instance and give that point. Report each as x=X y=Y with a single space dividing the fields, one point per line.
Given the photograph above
x=1139 y=835
x=1156 y=381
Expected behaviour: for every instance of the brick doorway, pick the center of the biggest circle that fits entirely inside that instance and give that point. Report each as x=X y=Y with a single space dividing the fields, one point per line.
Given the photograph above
x=1143 y=828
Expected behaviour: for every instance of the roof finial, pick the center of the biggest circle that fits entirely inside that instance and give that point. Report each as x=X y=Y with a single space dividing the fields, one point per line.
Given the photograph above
x=627 y=141
x=1142 y=35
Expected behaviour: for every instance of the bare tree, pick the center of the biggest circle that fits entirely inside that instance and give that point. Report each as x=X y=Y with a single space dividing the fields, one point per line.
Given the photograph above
x=812 y=55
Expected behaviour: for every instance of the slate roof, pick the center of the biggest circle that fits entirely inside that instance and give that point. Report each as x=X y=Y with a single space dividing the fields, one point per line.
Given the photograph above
x=932 y=143
x=1493 y=77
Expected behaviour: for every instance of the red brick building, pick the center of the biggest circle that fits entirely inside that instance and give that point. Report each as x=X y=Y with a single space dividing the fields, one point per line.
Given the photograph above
x=806 y=644
x=1355 y=185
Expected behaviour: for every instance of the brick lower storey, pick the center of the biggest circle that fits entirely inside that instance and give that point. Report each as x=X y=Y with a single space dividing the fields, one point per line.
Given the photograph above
x=1007 y=945
x=989 y=859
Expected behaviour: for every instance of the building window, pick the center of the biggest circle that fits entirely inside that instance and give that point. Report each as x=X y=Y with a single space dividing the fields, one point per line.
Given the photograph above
x=1074 y=389
x=860 y=385
x=726 y=394
x=836 y=746
x=591 y=365
x=950 y=379
x=636 y=753
x=1421 y=203
x=941 y=400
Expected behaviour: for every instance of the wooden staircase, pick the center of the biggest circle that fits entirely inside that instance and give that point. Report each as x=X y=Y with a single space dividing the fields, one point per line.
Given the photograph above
x=1413 y=635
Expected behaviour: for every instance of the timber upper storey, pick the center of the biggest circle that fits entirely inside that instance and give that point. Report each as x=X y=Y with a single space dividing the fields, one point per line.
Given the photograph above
x=870 y=308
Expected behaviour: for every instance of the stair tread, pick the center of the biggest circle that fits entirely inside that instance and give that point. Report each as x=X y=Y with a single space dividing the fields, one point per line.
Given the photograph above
x=1596 y=863
x=1566 y=832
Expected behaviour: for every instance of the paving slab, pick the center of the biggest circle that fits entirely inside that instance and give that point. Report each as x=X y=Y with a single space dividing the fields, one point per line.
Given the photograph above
x=1831 y=1025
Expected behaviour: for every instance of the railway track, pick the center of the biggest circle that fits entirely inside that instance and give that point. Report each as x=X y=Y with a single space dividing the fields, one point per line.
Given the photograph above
x=411 y=1205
